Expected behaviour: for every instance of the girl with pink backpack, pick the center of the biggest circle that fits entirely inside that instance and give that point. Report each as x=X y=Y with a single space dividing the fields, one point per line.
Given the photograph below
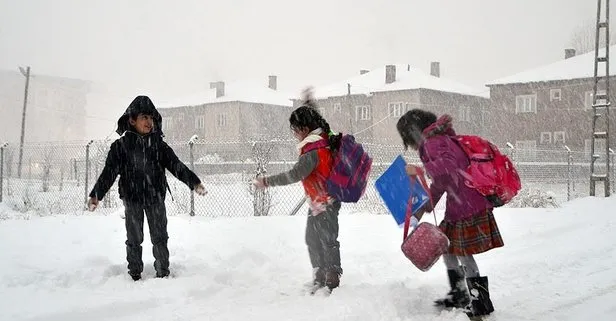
x=469 y=223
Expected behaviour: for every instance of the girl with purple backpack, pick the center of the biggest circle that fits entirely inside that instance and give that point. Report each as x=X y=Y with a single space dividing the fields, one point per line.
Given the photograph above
x=469 y=223
x=313 y=168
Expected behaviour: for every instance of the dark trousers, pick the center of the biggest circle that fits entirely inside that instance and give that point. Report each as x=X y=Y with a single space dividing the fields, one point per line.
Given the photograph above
x=157 y=223
x=322 y=239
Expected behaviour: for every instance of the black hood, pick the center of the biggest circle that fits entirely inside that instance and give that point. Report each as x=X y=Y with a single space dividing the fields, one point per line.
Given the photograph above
x=140 y=105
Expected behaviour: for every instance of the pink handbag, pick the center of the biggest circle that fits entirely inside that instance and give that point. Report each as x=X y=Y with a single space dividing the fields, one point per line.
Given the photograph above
x=426 y=243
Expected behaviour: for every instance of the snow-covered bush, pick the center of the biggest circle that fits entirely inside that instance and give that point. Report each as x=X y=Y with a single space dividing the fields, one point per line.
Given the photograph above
x=210 y=159
x=534 y=197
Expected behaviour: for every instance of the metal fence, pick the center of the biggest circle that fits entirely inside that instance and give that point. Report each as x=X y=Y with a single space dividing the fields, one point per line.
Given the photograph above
x=57 y=177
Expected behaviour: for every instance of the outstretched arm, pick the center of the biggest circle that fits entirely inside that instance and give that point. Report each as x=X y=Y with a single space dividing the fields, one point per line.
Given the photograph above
x=109 y=173
x=172 y=163
x=304 y=166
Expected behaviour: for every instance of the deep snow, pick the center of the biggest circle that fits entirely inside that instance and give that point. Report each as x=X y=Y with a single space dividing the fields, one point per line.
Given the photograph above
x=557 y=264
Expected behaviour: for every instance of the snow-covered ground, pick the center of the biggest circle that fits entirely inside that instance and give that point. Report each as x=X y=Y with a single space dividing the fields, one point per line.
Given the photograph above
x=557 y=264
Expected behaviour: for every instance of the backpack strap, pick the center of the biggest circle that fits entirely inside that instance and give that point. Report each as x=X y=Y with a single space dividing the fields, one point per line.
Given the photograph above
x=475 y=156
x=481 y=157
x=407 y=220
x=316 y=145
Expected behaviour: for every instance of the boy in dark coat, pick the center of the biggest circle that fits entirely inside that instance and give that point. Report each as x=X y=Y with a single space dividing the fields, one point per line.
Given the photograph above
x=140 y=157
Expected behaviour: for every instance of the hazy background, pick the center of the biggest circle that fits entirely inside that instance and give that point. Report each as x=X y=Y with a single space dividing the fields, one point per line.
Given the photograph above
x=168 y=49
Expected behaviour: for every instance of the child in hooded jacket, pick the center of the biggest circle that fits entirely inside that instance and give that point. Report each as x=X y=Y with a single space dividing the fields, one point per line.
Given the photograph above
x=140 y=157
x=469 y=222
x=312 y=169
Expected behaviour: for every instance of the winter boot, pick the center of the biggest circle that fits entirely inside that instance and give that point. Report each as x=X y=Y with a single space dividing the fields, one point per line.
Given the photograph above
x=318 y=277
x=135 y=276
x=163 y=274
x=458 y=296
x=332 y=277
x=480 y=304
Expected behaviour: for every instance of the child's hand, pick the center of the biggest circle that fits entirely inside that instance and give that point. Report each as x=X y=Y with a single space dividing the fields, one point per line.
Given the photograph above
x=413 y=170
x=414 y=222
x=200 y=189
x=317 y=208
x=259 y=183
x=92 y=204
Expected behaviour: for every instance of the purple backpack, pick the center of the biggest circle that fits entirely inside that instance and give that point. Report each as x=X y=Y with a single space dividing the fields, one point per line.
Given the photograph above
x=349 y=176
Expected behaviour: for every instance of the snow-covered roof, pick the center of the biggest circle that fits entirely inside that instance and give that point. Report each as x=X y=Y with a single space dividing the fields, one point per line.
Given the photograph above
x=406 y=79
x=36 y=77
x=244 y=91
x=577 y=67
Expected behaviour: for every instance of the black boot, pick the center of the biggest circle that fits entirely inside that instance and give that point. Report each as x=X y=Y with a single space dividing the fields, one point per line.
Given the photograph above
x=480 y=297
x=332 y=278
x=318 y=277
x=163 y=274
x=458 y=296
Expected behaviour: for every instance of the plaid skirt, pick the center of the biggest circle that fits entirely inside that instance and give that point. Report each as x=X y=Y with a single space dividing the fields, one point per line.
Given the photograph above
x=473 y=235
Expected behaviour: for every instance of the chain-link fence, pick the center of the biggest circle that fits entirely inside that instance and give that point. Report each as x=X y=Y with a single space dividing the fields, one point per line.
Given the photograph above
x=57 y=177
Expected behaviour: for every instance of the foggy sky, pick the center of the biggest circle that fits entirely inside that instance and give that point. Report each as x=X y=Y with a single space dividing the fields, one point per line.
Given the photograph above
x=174 y=48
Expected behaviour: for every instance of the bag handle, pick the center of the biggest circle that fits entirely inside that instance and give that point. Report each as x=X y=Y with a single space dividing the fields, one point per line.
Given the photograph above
x=422 y=181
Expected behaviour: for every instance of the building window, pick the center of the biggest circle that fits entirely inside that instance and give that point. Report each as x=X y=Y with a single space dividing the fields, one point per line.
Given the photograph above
x=526 y=104
x=395 y=109
x=221 y=120
x=200 y=122
x=555 y=94
x=559 y=137
x=546 y=138
x=526 y=149
x=362 y=113
x=337 y=108
x=464 y=113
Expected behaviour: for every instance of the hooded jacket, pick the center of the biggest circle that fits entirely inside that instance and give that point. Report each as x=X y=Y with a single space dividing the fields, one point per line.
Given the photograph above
x=141 y=161
x=443 y=158
x=140 y=105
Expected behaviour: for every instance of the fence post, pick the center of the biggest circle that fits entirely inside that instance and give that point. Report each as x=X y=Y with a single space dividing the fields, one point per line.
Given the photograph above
x=569 y=174
x=87 y=171
x=510 y=145
x=613 y=176
x=75 y=173
x=191 y=144
x=2 y=169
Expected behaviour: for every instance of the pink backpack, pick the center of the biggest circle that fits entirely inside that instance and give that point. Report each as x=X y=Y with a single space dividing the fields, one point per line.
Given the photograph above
x=490 y=172
x=426 y=243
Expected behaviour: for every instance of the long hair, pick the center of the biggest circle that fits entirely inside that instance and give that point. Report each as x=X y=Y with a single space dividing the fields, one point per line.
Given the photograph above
x=308 y=116
x=412 y=124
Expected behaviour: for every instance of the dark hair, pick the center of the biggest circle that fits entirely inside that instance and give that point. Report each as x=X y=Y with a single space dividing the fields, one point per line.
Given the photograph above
x=308 y=116
x=412 y=124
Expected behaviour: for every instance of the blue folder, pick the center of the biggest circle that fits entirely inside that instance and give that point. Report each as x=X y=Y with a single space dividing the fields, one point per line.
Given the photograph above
x=394 y=187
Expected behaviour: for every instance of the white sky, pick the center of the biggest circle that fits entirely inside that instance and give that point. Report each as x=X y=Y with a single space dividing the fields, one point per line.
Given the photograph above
x=174 y=48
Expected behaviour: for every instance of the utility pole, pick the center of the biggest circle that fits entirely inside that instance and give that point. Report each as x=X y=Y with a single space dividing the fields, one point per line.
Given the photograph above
x=601 y=104
x=26 y=74
x=350 y=105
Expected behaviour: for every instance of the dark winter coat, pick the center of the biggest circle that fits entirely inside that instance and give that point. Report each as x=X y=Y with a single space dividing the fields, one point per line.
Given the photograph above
x=141 y=162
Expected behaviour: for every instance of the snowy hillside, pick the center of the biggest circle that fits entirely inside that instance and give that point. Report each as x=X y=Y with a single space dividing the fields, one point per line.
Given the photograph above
x=557 y=264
